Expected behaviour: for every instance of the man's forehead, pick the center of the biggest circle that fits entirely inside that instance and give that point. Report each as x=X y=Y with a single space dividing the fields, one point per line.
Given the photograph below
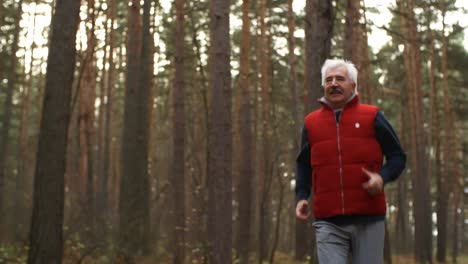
x=336 y=71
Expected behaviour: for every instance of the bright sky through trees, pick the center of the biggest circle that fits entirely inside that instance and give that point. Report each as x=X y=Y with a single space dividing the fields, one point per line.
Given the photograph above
x=377 y=37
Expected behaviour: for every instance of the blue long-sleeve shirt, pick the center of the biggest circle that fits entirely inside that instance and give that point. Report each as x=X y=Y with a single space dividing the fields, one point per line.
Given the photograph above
x=395 y=157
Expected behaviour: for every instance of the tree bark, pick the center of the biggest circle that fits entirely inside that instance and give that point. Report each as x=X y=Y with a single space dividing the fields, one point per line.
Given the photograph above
x=86 y=118
x=200 y=142
x=145 y=104
x=134 y=187
x=7 y=115
x=318 y=32
x=292 y=61
x=265 y=175
x=366 y=87
x=450 y=156
x=245 y=130
x=402 y=238
x=220 y=136
x=178 y=150
x=104 y=199
x=47 y=216
x=352 y=31
x=101 y=131
x=25 y=150
x=279 y=208
x=421 y=184
x=442 y=198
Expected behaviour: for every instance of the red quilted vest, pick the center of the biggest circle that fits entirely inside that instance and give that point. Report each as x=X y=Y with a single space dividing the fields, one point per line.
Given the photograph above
x=338 y=152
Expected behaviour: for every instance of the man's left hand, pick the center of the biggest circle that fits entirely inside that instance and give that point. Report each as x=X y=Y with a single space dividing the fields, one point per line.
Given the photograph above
x=374 y=184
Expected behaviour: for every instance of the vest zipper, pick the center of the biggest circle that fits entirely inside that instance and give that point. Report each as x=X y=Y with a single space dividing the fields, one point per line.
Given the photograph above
x=339 y=160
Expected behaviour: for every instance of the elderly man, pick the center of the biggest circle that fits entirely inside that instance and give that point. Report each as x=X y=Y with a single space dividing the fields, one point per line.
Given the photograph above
x=341 y=160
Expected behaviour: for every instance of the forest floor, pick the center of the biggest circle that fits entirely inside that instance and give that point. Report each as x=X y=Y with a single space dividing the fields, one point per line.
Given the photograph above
x=17 y=255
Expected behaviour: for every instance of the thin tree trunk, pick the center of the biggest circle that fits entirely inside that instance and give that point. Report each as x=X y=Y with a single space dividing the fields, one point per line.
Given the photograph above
x=442 y=198
x=178 y=148
x=301 y=237
x=87 y=96
x=101 y=117
x=145 y=103
x=421 y=184
x=245 y=131
x=364 y=63
x=319 y=29
x=47 y=216
x=278 y=216
x=220 y=136
x=2 y=11
x=7 y=115
x=402 y=237
x=292 y=61
x=108 y=112
x=352 y=31
x=450 y=152
x=457 y=209
x=132 y=195
x=265 y=175
x=202 y=143
x=318 y=32
x=24 y=147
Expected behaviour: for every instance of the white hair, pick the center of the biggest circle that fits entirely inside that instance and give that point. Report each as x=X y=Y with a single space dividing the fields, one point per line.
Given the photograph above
x=337 y=63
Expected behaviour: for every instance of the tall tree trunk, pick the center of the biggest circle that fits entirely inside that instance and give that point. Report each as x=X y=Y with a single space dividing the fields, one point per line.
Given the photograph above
x=104 y=199
x=200 y=132
x=364 y=63
x=178 y=148
x=457 y=208
x=100 y=136
x=24 y=147
x=442 y=195
x=292 y=61
x=279 y=208
x=47 y=215
x=6 y=118
x=352 y=31
x=402 y=238
x=450 y=154
x=265 y=175
x=318 y=31
x=134 y=188
x=2 y=11
x=421 y=184
x=145 y=104
x=245 y=146
x=303 y=242
x=447 y=154
x=86 y=118
x=220 y=136
x=301 y=237
x=356 y=47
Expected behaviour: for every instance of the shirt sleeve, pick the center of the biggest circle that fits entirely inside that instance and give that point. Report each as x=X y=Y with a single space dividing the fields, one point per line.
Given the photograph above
x=395 y=157
x=303 y=169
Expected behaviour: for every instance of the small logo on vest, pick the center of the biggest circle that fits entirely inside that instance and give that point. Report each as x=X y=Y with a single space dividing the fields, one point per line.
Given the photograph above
x=357 y=125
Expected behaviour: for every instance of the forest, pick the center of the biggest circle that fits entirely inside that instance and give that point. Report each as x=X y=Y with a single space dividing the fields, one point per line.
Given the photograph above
x=166 y=131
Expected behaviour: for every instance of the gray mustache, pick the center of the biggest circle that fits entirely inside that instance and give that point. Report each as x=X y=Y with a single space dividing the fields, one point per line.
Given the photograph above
x=335 y=89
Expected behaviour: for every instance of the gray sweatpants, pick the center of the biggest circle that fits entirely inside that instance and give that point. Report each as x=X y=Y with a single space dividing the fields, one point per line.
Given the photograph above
x=364 y=242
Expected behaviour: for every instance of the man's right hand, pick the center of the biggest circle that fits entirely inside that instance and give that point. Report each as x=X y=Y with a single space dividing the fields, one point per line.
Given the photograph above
x=302 y=211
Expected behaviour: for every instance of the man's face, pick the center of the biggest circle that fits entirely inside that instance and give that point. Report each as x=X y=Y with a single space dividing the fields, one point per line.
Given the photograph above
x=338 y=87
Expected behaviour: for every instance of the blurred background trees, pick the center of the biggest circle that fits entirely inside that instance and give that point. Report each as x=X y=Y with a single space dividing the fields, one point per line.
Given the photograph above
x=183 y=125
